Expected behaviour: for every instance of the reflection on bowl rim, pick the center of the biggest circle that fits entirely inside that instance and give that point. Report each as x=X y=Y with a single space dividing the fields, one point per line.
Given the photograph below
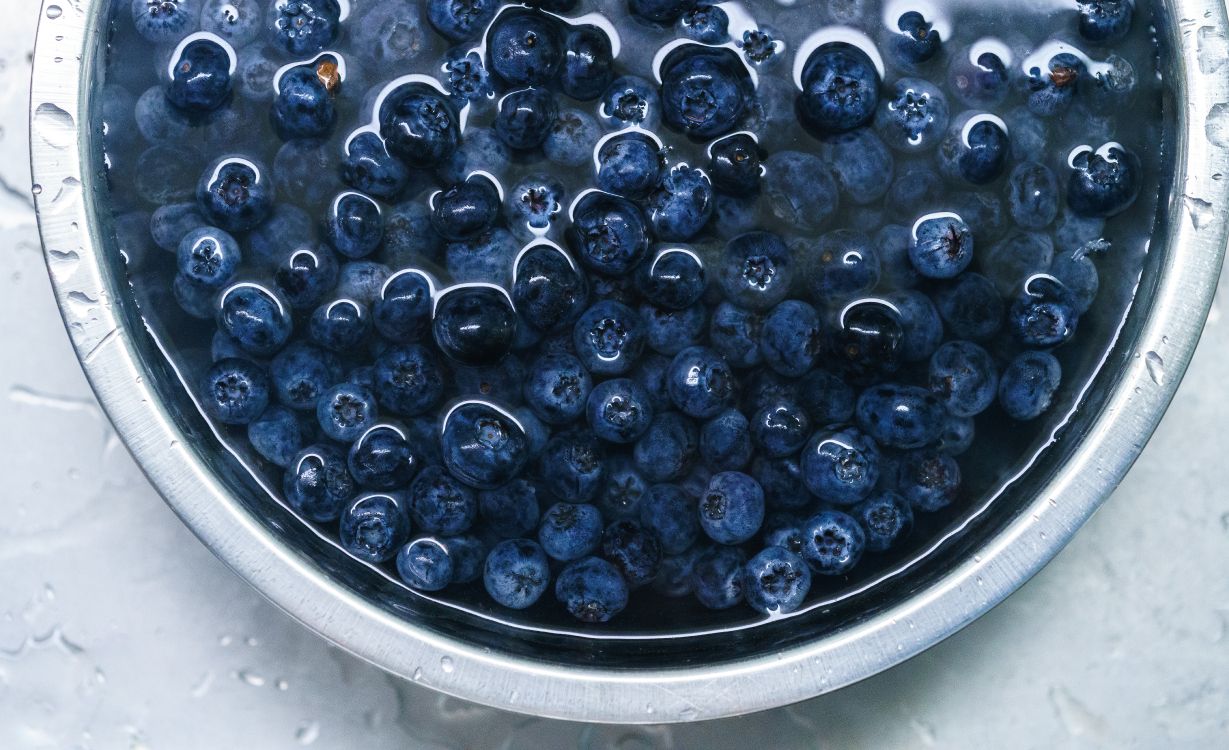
x=1136 y=396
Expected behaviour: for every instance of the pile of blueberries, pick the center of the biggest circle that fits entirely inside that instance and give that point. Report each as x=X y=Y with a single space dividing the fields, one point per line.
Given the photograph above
x=656 y=381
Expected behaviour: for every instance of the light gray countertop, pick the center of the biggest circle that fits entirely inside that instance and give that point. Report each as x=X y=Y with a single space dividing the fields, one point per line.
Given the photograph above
x=119 y=630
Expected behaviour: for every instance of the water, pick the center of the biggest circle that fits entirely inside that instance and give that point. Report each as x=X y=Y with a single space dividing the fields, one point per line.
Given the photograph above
x=1023 y=35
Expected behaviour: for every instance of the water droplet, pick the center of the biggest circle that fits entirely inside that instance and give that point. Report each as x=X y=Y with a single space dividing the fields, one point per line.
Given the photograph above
x=250 y=678
x=55 y=126
x=1200 y=211
x=689 y=713
x=1211 y=49
x=1156 y=367
x=251 y=641
x=54 y=11
x=447 y=665
x=282 y=684
x=417 y=676
x=307 y=733
x=1217 y=125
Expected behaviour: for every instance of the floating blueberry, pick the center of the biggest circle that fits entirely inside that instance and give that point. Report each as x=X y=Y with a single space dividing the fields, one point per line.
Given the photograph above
x=704 y=90
x=619 y=411
x=474 y=324
x=517 y=573
x=1027 y=386
x=608 y=233
x=200 y=77
x=840 y=467
x=834 y=543
x=573 y=467
x=964 y=375
x=483 y=446
x=425 y=564
x=258 y=318
x=735 y=165
x=978 y=79
x=403 y=311
x=588 y=63
x=887 y=519
x=1032 y=195
x=208 y=256
x=701 y=383
x=628 y=164
x=731 y=508
x=913 y=116
x=681 y=204
x=942 y=246
x=917 y=40
x=302 y=373
x=756 y=270
x=382 y=458
x=235 y=194
x=419 y=125
x=901 y=416
x=668 y=450
x=374 y=527
x=869 y=340
x=1105 y=20
x=234 y=391
x=776 y=581
x=461 y=20
x=524 y=47
x=465 y=210
x=1103 y=183
x=705 y=23
x=440 y=504
x=633 y=550
x=717 y=580
x=630 y=101
x=1051 y=91
x=344 y=412
x=525 y=118
x=303 y=106
x=609 y=338
x=592 y=590
x=304 y=27
x=840 y=89
x=317 y=484
x=791 y=338
x=1043 y=314
x=369 y=168
x=975 y=149
x=306 y=276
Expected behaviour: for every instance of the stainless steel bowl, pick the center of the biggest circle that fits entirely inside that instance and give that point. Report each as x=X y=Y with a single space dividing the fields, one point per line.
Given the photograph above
x=638 y=680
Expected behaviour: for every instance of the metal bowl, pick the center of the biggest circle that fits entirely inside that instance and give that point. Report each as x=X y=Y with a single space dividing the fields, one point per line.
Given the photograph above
x=631 y=680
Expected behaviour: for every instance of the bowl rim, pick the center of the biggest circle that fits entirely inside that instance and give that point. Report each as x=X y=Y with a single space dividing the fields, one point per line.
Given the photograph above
x=1188 y=275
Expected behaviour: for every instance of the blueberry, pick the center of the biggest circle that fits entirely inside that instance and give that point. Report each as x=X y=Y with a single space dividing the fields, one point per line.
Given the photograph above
x=731 y=508
x=650 y=373
x=668 y=450
x=674 y=278
x=354 y=225
x=1105 y=20
x=681 y=204
x=887 y=519
x=467 y=78
x=670 y=331
x=468 y=554
x=194 y=298
x=374 y=527
x=307 y=275
x=340 y=326
x=760 y=46
x=1103 y=183
x=557 y=388
x=208 y=256
x=834 y=543
x=474 y=325
x=573 y=467
x=896 y=271
x=791 y=338
x=704 y=90
x=1076 y=271
x=1114 y=86
x=701 y=383
x=510 y=511
x=619 y=411
x=548 y=289
x=403 y=312
x=301 y=374
x=862 y=164
x=158 y=120
x=609 y=338
x=571 y=138
x=369 y=168
x=517 y=572
x=725 y=441
x=920 y=322
x=844 y=263
x=1051 y=91
x=258 y=318
x=840 y=89
x=735 y=164
x=525 y=47
x=717 y=580
x=913 y=117
x=525 y=118
x=425 y=564
x=674 y=575
x=278 y=434
x=485 y=258
x=1043 y=314
x=942 y=246
x=964 y=375
x=235 y=194
x=382 y=458
x=305 y=169
x=980 y=81
x=970 y=307
x=957 y=436
x=705 y=23
x=441 y=504
x=928 y=479
x=317 y=484
x=588 y=63
x=408 y=380
x=917 y=40
x=735 y=334
x=304 y=27
x=388 y=35
x=629 y=101
x=633 y=550
x=256 y=73
x=362 y=280
x=826 y=398
x=303 y=106
x=465 y=210
x=608 y=233
x=756 y=270
x=975 y=150
x=776 y=581
x=782 y=481
x=346 y=411
x=670 y=513
x=533 y=204
x=800 y=189
x=868 y=341
x=200 y=77
x=840 y=467
x=169 y=224
x=483 y=446
x=1028 y=384
x=901 y=416
x=164 y=21
x=780 y=429
x=628 y=164
x=916 y=187
x=622 y=491
x=461 y=20
x=1032 y=195
x=234 y=391
x=570 y=531
x=592 y=590
x=1015 y=259
x=419 y=125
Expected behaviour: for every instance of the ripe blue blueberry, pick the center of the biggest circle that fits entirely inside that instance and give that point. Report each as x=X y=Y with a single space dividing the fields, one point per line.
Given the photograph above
x=929 y=479
x=468 y=554
x=731 y=508
x=862 y=165
x=467 y=78
x=942 y=246
x=705 y=23
x=557 y=388
x=1043 y=314
x=258 y=318
x=200 y=77
x=533 y=204
x=913 y=116
x=826 y=398
x=1027 y=385
x=1075 y=270
x=525 y=47
x=208 y=256
x=920 y=322
x=461 y=20
x=510 y=511
x=887 y=519
x=725 y=441
x=1051 y=91
x=1032 y=195
x=474 y=325
x=619 y=410
x=975 y=149
x=735 y=164
x=901 y=416
x=419 y=125
x=840 y=89
x=800 y=189
x=525 y=118
x=633 y=550
x=701 y=383
x=791 y=338
x=369 y=168
x=868 y=341
x=235 y=194
x=375 y=526
x=570 y=531
x=573 y=466
x=465 y=210
x=517 y=572
x=302 y=373
x=239 y=22
x=346 y=411
x=674 y=576
x=760 y=46
x=304 y=27
x=971 y=307
x=668 y=450
x=588 y=63
x=717 y=580
x=840 y=467
x=234 y=391
x=1103 y=183
x=673 y=278
x=917 y=40
x=776 y=581
x=408 y=380
x=756 y=270
x=483 y=446
x=670 y=514
x=780 y=429
x=592 y=590
x=164 y=21
x=354 y=225
x=1105 y=20
x=681 y=204
x=303 y=106
x=549 y=291
x=278 y=434
x=834 y=543
x=622 y=491
x=609 y=338
x=782 y=481
x=403 y=312
x=629 y=164
x=426 y=564
x=844 y=264
x=704 y=90
x=382 y=458
x=964 y=375
x=440 y=503
x=306 y=276
x=317 y=484
x=670 y=331
x=735 y=334
x=608 y=233
x=629 y=101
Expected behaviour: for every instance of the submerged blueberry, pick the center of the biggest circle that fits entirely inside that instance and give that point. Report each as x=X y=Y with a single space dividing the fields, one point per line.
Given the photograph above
x=303 y=106
x=1028 y=384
